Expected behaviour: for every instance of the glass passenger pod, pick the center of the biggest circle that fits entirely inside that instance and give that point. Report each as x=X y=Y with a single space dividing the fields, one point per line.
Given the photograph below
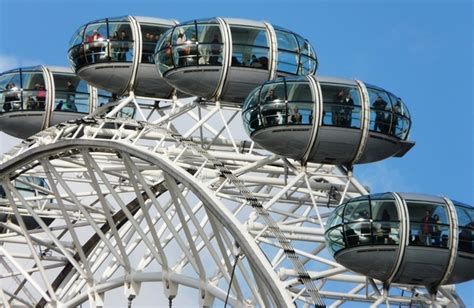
x=27 y=186
x=227 y=58
x=389 y=118
x=116 y=54
x=407 y=237
x=318 y=120
x=34 y=98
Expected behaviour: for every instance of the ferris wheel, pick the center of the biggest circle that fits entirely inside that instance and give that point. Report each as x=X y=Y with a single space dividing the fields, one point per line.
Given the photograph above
x=158 y=197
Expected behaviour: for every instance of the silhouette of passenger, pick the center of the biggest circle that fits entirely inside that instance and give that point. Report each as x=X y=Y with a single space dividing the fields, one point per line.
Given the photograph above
x=181 y=40
x=380 y=122
x=396 y=112
x=123 y=37
x=436 y=235
x=95 y=44
x=269 y=112
x=215 y=51
x=426 y=224
x=40 y=96
x=296 y=117
x=386 y=228
x=254 y=62
x=342 y=109
x=12 y=95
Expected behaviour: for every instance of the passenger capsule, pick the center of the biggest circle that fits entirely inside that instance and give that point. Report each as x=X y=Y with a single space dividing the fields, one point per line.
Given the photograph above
x=224 y=58
x=116 y=54
x=404 y=238
x=35 y=98
x=327 y=120
x=26 y=186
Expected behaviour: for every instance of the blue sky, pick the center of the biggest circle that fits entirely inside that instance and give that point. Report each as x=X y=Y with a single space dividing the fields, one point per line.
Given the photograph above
x=420 y=50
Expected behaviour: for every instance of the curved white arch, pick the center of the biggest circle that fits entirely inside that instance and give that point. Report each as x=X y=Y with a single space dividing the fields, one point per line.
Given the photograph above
x=251 y=250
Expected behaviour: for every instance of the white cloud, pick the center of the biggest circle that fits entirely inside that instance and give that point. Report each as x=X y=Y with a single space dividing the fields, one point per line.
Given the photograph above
x=381 y=177
x=8 y=62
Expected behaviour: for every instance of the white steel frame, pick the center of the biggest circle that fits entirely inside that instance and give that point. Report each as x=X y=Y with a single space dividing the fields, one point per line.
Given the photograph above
x=177 y=199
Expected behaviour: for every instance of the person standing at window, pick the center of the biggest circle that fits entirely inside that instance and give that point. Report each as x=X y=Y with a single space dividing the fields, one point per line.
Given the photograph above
x=426 y=223
x=380 y=123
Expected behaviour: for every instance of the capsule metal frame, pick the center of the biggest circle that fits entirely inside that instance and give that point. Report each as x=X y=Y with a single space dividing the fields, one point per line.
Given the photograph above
x=230 y=79
x=109 y=67
x=23 y=120
x=449 y=264
x=314 y=140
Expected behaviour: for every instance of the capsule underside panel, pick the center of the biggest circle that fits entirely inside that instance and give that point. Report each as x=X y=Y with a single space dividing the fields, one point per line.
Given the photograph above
x=198 y=82
x=463 y=269
x=335 y=145
x=418 y=268
x=372 y=261
x=149 y=83
x=113 y=78
x=379 y=146
x=240 y=82
x=280 y=139
x=21 y=124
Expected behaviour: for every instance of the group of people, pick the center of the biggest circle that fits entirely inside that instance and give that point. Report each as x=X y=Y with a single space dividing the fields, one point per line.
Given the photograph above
x=341 y=109
x=149 y=43
x=98 y=48
x=386 y=122
x=430 y=231
x=189 y=53
x=13 y=98
x=274 y=112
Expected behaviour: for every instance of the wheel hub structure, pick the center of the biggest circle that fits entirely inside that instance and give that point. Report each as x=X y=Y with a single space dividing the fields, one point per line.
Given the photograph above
x=176 y=202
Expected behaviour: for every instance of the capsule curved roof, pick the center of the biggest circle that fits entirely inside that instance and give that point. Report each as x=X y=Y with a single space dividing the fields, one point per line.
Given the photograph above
x=244 y=22
x=153 y=20
x=60 y=69
x=330 y=79
x=116 y=18
x=54 y=69
x=325 y=79
x=420 y=197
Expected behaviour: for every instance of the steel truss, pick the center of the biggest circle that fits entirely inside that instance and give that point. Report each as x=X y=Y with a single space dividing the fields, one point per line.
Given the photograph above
x=178 y=201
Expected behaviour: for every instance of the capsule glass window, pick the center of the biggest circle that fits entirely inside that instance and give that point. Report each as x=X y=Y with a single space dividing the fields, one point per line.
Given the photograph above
x=210 y=44
x=335 y=239
x=429 y=224
x=10 y=92
x=251 y=113
x=67 y=96
x=341 y=105
x=185 y=47
x=357 y=226
x=120 y=46
x=288 y=55
x=77 y=37
x=34 y=91
x=95 y=43
x=150 y=36
x=272 y=104
x=400 y=121
x=300 y=103
x=164 y=53
x=386 y=224
x=380 y=111
x=308 y=63
x=465 y=216
x=250 y=47
x=335 y=219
